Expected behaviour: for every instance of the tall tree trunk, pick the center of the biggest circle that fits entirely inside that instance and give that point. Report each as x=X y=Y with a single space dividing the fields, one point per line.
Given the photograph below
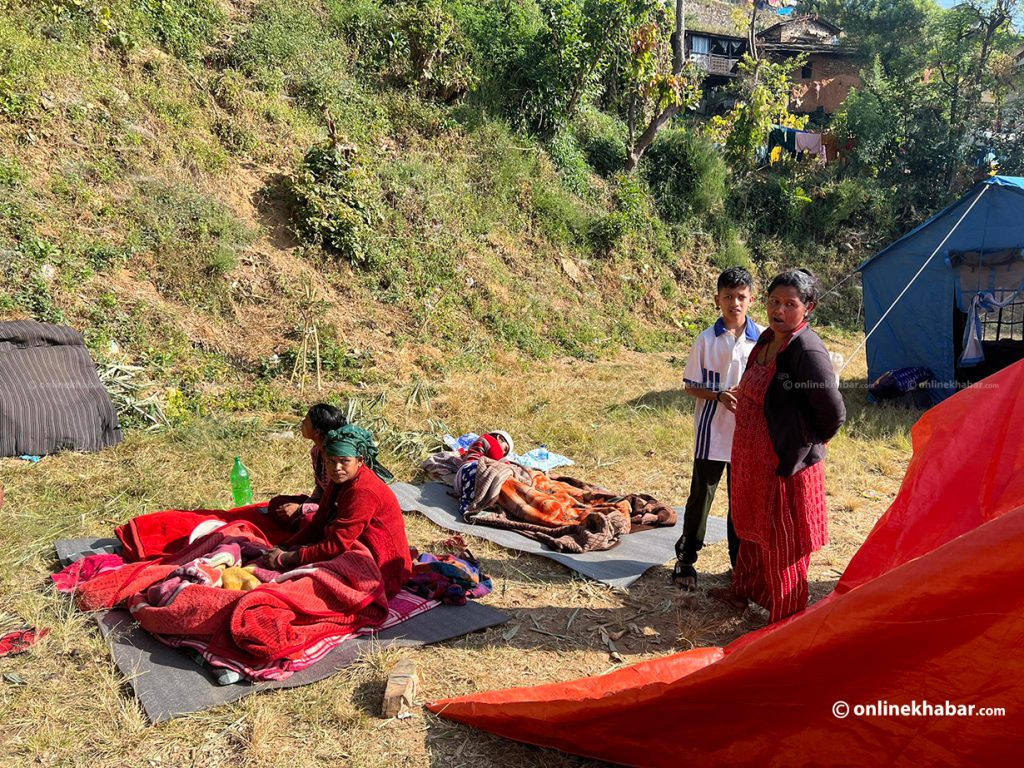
x=678 y=40
x=647 y=137
x=637 y=149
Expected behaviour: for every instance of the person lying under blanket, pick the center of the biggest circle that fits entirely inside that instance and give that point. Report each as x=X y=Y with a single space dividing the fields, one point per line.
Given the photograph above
x=566 y=514
x=495 y=446
x=357 y=506
x=290 y=512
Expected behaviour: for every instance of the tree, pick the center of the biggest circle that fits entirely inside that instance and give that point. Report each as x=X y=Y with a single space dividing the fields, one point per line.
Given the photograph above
x=656 y=96
x=893 y=32
x=763 y=89
x=965 y=39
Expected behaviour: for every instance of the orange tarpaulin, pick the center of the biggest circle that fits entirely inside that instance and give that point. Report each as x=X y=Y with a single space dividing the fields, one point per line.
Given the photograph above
x=929 y=615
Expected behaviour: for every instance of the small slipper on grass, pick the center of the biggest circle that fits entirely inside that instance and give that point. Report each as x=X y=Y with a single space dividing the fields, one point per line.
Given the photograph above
x=730 y=598
x=21 y=640
x=685 y=577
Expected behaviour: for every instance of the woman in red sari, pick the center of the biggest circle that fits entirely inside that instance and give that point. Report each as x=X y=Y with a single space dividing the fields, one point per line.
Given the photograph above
x=789 y=407
x=358 y=508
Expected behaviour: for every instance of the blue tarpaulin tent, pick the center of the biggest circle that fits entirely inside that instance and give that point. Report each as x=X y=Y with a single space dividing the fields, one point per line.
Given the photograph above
x=974 y=282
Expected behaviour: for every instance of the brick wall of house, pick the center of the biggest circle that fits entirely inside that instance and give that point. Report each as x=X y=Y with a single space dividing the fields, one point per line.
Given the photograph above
x=830 y=82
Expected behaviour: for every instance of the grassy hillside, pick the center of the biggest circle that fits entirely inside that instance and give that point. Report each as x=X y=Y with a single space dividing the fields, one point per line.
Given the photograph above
x=197 y=184
x=150 y=158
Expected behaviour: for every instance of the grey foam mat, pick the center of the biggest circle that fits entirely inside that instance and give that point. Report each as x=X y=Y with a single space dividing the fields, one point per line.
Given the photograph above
x=169 y=684
x=618 y=567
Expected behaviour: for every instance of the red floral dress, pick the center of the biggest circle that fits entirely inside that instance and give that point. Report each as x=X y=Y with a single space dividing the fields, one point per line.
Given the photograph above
x=779 y=520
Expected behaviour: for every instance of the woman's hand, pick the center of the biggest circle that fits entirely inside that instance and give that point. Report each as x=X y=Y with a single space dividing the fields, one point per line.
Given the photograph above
x=289 y=511
x=278 y=559
x=728 y=399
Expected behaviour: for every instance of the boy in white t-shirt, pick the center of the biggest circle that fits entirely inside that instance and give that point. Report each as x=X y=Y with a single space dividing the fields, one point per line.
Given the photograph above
x=713 y=371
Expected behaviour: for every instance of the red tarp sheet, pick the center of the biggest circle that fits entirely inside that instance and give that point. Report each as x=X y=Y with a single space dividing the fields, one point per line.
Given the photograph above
x=930 y=609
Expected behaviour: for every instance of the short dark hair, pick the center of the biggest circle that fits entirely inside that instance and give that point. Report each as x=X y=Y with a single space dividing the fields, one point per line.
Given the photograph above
x=803 y=280
x=325 y=418
x=735 y=277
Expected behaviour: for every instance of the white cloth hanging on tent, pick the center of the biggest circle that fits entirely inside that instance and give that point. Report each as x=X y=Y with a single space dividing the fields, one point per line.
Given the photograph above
x=982 y=302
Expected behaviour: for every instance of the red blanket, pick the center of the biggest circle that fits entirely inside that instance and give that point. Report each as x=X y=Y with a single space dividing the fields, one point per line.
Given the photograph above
x=259 y=628
x=163 y=533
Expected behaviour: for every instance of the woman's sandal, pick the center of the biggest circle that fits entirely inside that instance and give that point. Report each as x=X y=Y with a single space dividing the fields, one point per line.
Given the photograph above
x=685 y=577
x=730 y=598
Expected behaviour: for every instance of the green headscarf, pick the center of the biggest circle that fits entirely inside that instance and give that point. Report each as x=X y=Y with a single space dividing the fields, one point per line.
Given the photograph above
x=353 y=440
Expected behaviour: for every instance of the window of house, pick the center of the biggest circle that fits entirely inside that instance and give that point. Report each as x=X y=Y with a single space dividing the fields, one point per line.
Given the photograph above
x=806 y=72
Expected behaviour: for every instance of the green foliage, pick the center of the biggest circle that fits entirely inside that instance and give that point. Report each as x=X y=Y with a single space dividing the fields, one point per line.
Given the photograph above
x=559 y=214
x=570 y=160
x=563 y=63
x=183 y=27
x=763 y=89
x=870 y=25
x=192 y=241
x=849 y=203
x=686 y=174
x=633 y=226
x=602 y=137
x=438 y=57
x=334 y=208
x=20 y=76
x=732 y=251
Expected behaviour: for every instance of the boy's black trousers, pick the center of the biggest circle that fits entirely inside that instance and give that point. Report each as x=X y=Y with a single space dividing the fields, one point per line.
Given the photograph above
x=706 y=476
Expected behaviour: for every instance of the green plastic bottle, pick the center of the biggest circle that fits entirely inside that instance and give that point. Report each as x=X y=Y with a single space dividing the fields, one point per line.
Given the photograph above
x=241 y=488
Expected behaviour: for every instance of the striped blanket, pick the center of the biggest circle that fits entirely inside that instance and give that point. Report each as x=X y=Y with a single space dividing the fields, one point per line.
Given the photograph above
x=569 y=515
x=50 y=396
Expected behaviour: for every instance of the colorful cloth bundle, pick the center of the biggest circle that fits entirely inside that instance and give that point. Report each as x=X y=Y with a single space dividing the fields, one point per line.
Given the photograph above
x=85 y=569
x=449 y=578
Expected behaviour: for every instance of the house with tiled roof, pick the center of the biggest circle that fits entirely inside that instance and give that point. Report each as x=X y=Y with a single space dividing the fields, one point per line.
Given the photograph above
x=715 y=35
x=713 y=40
x=822 y=84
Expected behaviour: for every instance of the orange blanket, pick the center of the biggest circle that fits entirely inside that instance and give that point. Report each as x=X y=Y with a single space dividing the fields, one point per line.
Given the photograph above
x=569 y=515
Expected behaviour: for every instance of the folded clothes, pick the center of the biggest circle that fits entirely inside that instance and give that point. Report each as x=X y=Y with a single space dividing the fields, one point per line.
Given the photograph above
x=451 y=577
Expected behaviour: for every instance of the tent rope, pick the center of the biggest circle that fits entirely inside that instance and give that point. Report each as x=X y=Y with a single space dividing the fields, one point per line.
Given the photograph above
x=835 y=287
x=938 y=248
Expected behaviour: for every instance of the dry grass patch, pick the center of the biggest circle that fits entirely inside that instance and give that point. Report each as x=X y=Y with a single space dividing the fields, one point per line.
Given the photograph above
x=623 y=420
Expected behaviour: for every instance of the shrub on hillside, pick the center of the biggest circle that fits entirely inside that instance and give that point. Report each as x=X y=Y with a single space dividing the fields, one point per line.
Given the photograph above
x=184 y=28
x=435 y=55
x=633 y=226
x=602 y=137
x=333 y=208
x=686 y=175
x=857 y=203
x=574 y=172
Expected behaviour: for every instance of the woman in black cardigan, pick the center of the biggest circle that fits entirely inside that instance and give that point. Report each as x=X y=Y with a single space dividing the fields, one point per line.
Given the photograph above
x=789 y=407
